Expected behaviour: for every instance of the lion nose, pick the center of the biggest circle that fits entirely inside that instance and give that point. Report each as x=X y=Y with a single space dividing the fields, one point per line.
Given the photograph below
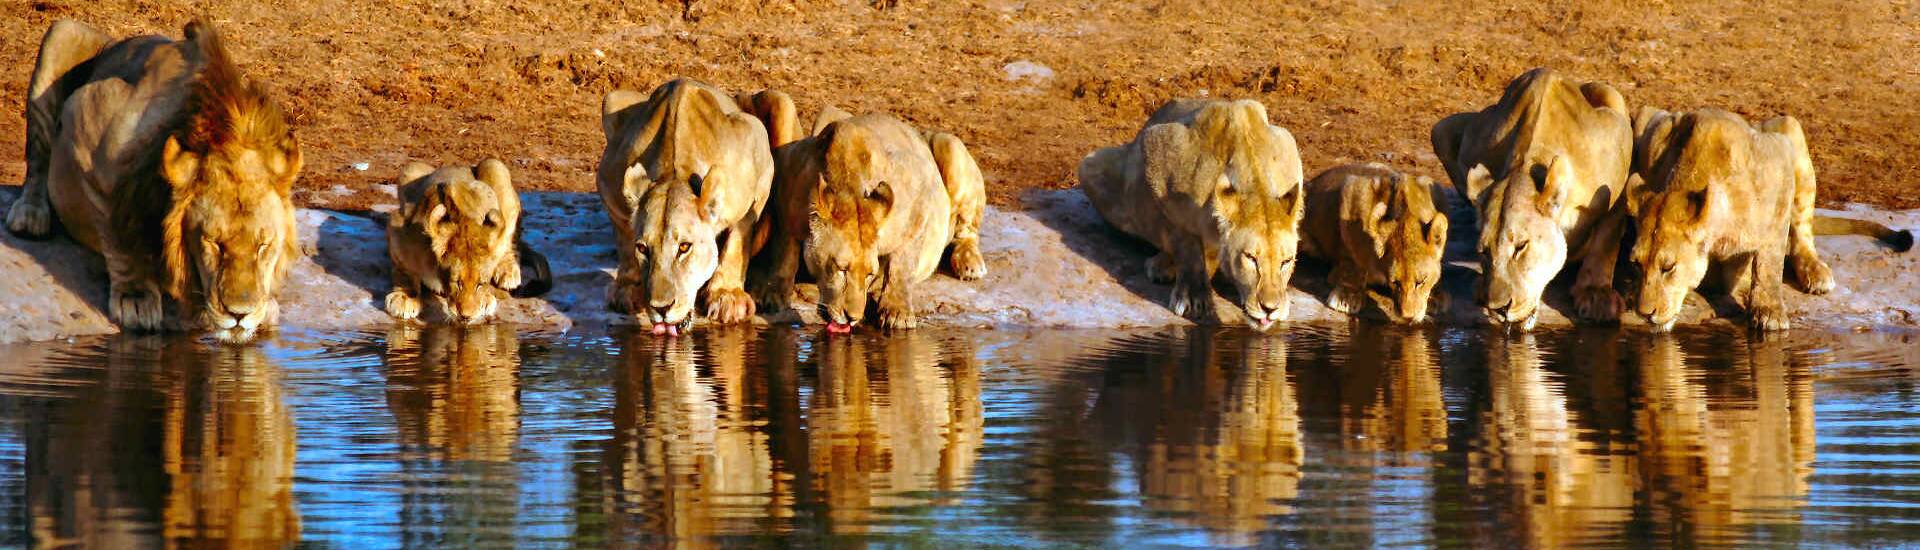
x=1501 y=310
x=240 y=310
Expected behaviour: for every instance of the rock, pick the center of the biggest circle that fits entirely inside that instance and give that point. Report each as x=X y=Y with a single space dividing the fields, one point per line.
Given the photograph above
x=1027 y=70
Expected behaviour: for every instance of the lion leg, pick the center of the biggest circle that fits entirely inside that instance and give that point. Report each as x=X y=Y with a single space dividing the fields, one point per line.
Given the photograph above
x=773 y=292
x=727 y=299
x=896 y=300
x=1193 y=283
x=1764 y=302
x=967 y=191
x=135 y=298
x=1348 y=292
x=1810 y=274
x=67 y=46
x=534 y=275
x=1594 y=297
x=1446 y=136
x=624 y=291
x=403 y=301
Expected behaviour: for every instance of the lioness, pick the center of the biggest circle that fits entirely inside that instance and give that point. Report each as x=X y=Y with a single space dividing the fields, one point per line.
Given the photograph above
x=456 y=235
x=1209 y=183
x=871 y=205
x=684 y=178
x=1544 y=168
x=1383 y=233
x=1720 y=191
x=161 y=156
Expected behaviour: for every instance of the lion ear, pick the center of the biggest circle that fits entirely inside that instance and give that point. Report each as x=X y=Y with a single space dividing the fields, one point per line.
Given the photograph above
x=882 y=194
x=287 y=163
x=178 y=165
x=1553 y=189
x=1637 y=193
x=1479 y=178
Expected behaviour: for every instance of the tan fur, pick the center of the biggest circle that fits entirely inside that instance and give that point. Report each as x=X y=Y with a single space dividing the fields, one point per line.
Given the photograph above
x=1544 y=169
x=1719 y=191
x=870 y=205
x=456 y=237
x=685 y=176
x=1209 y=184
x=1383 y=233
x=160 y=155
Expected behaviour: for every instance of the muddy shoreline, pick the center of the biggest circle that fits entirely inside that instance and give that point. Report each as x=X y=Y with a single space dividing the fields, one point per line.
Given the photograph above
x=1052 y=264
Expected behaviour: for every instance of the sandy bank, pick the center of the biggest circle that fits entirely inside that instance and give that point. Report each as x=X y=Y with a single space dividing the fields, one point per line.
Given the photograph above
x=1054 y=264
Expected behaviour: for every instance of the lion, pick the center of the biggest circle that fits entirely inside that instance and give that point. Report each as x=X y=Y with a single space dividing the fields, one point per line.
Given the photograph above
x=1720 y=192
x=1383 y=233
x=870 y=204
x=685 y=176
x=161 y=156
x=1211 y=185
x=1544 y=169
x=456 y=235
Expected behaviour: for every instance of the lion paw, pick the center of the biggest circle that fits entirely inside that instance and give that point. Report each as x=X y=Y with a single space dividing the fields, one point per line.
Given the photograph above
x=729 y=305
x=1342 y=301
x=1160 y=268
x=1814 y=277
x=1194 y=302
x=30 y=219
x=1598 y=303
x=896 y=316
x=968 y=264
x=1770 y=318
x=507 y=275
x=402 y=306
x=773 y=297
x=136 y=309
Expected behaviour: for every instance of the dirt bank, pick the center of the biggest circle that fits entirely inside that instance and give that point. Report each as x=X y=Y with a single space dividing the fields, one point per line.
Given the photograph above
x=1032 y=85
x=1054 y=264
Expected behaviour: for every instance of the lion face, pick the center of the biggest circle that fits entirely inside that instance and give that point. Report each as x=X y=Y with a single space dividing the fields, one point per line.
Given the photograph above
x=840 y=251
x=1670 y=251
x=469 y=228
x=1259 y=240
x=1522 y=245
x=676 y=245
x=230 y=236
x=1409 y=238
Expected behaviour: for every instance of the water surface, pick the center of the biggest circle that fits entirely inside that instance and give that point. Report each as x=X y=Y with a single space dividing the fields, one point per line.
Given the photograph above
x=1348 y=435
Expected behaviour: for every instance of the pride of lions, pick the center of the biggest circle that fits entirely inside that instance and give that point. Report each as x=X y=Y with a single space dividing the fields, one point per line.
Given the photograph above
x=163 y=157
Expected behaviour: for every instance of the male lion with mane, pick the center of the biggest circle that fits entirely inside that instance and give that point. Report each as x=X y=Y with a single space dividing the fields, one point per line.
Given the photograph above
x=162 y=157
x=1211 y=185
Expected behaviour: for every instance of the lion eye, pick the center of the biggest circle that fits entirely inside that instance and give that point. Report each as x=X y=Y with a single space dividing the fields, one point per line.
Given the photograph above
x=1666 y=268
x=1520 y=248
x=684 y=247
x=641 y=248
x=1248 y=257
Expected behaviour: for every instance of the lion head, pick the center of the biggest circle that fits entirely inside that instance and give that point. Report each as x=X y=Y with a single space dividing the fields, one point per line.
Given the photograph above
x=469 y=218
x=841 y=250
x=1256 y=205
x=677 y=228
x=1522 y=246
x=1408 y=235
x=229 y=234
x=1673 y=214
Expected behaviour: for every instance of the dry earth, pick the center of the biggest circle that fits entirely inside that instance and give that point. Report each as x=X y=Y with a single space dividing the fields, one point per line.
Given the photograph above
x=1032 y=85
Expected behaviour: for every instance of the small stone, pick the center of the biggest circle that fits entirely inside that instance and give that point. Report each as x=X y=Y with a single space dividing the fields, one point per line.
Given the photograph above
x=1029 y=70
x=362 y=166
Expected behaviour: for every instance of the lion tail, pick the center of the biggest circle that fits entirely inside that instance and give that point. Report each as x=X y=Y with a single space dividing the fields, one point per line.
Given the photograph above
x=1899 y=240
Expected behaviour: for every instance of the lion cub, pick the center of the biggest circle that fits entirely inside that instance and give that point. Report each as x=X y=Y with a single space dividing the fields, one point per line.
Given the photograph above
x=1383 y=233
x=456 y=235
x=872 y=203
x=1208 y=183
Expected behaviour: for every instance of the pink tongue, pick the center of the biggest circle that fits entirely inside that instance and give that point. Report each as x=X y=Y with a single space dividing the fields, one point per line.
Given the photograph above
x=659 y=328
x=839 y=328
x=668 y=329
